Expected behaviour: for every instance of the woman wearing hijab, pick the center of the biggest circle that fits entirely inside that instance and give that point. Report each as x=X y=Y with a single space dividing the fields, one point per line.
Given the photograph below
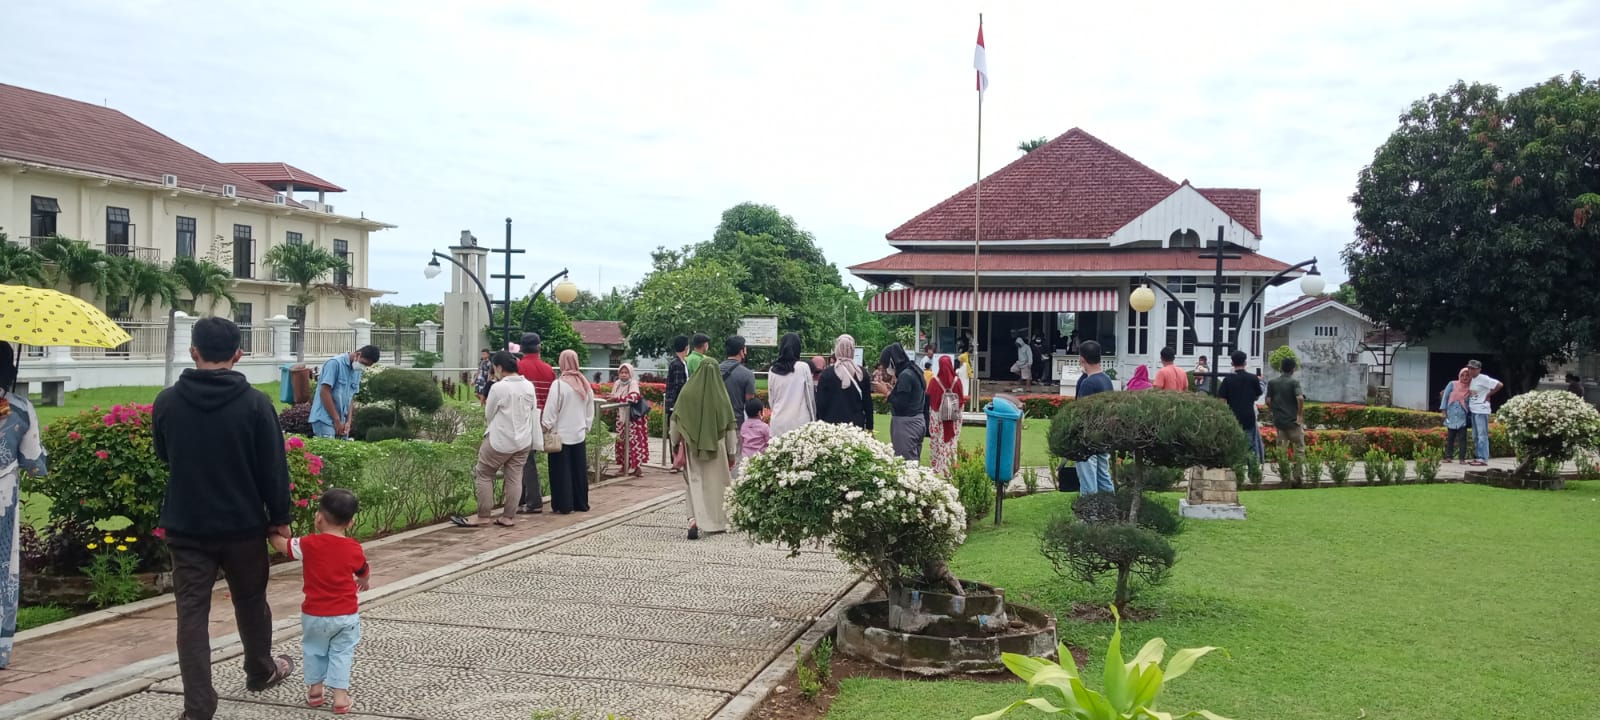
x=633 y=436
x=908 y=403
x=790 y=392
x=20 y=451
x=844 y=394
x=703 y=422
x=945 y=434
x=569 y=415
x=1453 y=404
x=1141 y=379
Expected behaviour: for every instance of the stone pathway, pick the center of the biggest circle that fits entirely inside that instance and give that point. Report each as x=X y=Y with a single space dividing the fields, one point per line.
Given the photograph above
x=631 y=619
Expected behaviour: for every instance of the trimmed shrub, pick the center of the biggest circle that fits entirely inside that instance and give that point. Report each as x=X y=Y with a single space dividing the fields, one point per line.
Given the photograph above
x=1158 y=515
x=1428 y=461
x=1549 y=425
x=1283 y=352
x=103 y=465
x=1086 y=551
x=381 y=433
x=1346 y=416
x=411 y=389
x=1394 y=441
x=971 y=479
x=296 y=419
x=1165 y=429
x=368 y=417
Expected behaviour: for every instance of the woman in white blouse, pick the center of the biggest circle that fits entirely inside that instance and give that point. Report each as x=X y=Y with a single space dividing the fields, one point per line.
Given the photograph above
x=790 y=391
x=568 y=413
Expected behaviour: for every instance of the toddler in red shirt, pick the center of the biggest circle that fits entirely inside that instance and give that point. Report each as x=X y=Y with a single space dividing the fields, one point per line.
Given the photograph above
x=335 y=568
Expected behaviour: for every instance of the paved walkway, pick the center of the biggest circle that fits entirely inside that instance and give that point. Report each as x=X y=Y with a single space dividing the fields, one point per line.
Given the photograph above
x=624 y=616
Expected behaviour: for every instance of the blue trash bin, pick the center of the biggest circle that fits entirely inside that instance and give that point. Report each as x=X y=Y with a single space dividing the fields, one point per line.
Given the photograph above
x=285 y=383
x=1002 y=447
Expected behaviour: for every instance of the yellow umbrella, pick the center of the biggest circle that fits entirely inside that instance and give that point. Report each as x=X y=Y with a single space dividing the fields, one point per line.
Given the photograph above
x=46 y=318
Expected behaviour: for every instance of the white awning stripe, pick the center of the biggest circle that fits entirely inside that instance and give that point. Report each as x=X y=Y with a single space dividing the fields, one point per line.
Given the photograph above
x=925 y=299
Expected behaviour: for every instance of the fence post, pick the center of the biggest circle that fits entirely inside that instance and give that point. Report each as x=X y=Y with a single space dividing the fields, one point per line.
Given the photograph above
x=363 y=328
x=282 y=337
x=428 y=331
x=182 y=335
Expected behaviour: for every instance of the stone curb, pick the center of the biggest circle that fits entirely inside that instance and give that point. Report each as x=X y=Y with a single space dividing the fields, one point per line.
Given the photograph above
x=118 y=612
x=744 y=704
x=91 y=692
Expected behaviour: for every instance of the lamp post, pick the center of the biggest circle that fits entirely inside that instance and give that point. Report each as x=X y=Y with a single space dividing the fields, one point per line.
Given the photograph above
x=1143 y=300
x=565 y=292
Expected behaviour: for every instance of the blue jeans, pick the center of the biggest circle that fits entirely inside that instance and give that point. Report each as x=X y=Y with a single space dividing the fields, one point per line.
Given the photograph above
x=321 y=429
x=1480 y=435
x=1254 y=433
x=1094 y=475
x=329 y=644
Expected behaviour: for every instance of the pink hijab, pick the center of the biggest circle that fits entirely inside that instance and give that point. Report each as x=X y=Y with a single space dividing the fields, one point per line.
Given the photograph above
x=1141 y=379
x=1462 y=388
x=623 y=388
x=572 y=375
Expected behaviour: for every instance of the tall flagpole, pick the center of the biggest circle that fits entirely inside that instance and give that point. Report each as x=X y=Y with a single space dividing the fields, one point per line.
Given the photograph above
x=977 y=226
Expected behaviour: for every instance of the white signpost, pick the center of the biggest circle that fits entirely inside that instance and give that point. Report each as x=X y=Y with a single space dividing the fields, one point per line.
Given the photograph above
x=759 y=331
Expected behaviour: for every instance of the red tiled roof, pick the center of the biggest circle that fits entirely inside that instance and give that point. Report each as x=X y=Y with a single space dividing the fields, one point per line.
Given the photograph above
x=1074 y=187
x=281 y=175
x=599 y=332
x=1303 y=306
x=53 y=130
x=1065 y=261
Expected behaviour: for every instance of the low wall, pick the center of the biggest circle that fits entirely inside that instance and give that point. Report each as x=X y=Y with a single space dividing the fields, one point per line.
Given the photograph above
x=87 y=374
x=1341 y=382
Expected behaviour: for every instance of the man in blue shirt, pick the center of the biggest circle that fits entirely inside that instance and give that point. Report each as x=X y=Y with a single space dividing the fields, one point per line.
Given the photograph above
x=333 y=403
x=1094 y=473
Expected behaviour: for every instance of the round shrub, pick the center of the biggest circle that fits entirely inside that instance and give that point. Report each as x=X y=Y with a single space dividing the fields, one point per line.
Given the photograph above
x=381 y=433
x=1549 y=425
x=296 y=419
x=973 y=485
x=1284 y=352
x=368 y=417
x=405 y=389
x=1087 y=550
x=891 y=519
x=1165 y=429
x=103 y=465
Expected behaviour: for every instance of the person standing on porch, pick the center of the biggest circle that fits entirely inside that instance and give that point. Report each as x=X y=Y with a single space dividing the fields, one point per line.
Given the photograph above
x=908 y=403
x=1241 y=389
x=1094 y=472
x=536 y=371
x=1483 y=387
x=790 y=392
x=1023 y=367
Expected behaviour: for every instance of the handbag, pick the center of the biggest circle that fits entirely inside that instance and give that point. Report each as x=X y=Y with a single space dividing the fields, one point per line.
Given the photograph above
x=639 y=408
x=552 y=442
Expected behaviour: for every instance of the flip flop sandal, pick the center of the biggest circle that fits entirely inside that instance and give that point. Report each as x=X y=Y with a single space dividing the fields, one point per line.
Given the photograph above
x=284 y=670
x=345 y=709
x=505 y=524
x=461 y=522
x=317 y=701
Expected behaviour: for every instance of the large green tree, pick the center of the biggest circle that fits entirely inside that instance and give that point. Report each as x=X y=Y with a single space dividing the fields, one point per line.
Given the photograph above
x=550 y=321
x=204 y=283
x=699 y=297
x=391 y=315
x=589 y=306
x=305 y=266
x=1474 y=213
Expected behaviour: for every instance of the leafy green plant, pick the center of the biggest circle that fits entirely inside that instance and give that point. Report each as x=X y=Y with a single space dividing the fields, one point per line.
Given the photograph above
x=823 y=657
x=305 y=484
x=1275 y=360
x=1307 y=468
x=111 y=569
x=389 y=432
x=1378 y=468
x=425 y=359
x=404 y=389
x=29 y=618
x=1399 y=470
x=1086 y=551
x=1131 y=688
x=1336 y=459
x=1588 y=465
x=1284 y=463
x=1253 y=466
x=807 y=678
x=972 y=483
x=1428 y=460
x=103 y=465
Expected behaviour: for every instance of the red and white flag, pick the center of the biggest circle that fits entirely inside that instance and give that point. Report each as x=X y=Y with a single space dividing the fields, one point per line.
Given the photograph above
x=981 y=63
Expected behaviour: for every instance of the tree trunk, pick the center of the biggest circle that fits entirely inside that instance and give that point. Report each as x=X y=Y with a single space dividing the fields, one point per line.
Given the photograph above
x=940 y=571
x=172 y=348
x=1137 y=486
x=1124 y=594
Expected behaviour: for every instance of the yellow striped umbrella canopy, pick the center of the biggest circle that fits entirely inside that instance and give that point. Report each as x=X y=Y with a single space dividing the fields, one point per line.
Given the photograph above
x=46 y=318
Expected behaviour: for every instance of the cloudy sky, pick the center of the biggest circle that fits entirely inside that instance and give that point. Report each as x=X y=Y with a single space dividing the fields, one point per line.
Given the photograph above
x=608 y=128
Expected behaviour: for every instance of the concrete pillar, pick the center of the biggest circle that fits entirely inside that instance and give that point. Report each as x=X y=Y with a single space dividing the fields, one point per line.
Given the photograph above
x=282 y=334
x=429 y=336
x=465 y=315
x=57 y=354
x=363 y=328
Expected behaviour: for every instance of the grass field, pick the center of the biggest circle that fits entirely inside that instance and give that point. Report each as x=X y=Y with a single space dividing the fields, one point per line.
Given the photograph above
x=1035 y=440
x=1439 y=601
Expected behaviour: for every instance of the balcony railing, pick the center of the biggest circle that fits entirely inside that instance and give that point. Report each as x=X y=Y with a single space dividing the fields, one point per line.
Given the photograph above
x=147 y=254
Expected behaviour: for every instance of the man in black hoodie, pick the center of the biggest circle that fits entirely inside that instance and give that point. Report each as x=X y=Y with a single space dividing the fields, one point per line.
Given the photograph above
x=228 y=488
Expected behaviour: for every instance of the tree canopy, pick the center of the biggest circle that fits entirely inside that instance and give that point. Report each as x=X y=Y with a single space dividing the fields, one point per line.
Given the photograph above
x=1028 y=146
x=703 y=297
x=390 y=314
x=550 y=321
x=1474 y=213
x=1162 y=429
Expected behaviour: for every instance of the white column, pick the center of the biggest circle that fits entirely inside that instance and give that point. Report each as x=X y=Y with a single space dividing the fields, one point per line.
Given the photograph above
x=58 y=354
x=363 y=328
x=282 y=331
x=429 y=340
x=182 y=335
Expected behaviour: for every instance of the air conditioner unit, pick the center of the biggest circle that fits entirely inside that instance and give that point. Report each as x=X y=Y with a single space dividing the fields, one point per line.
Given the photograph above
x=327 y=209
x=230 y=191
x=169 y=180
x=280 y=200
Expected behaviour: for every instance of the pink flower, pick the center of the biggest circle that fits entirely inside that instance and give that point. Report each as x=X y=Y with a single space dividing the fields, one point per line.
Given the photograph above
x=294 y=443
x=291 y=486
x=102 y=454
x=159 y=533
x=108 y=420
x=302 y=502
x=116 y=408
x=315 y=470
x=74 y=435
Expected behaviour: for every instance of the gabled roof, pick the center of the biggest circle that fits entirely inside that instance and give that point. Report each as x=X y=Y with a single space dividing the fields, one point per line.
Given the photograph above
x=282 y=176
x=600 y=332
x=1075 y=187
x=1304 y=306
x=55 y=131
x=1066 y=262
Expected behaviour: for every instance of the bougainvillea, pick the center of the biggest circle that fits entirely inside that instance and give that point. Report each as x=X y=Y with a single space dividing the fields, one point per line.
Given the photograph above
x=305 y=484
x=103 y=465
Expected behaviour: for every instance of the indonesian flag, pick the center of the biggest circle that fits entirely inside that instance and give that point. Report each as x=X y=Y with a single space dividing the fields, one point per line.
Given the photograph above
x=981 y=63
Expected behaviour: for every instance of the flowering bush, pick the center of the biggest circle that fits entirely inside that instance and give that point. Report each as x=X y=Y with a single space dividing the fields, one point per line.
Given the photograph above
x=305 y=484
x=1549 y=425
x=103 y=465
x=111 y=570
x=1399 y=442
x=884 y=516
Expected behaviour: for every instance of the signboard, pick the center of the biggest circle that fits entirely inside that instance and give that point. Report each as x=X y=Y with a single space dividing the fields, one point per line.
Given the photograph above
x=759 y=331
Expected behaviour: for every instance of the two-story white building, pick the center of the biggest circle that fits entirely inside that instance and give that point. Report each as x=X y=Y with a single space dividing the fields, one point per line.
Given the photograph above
x=93 y=174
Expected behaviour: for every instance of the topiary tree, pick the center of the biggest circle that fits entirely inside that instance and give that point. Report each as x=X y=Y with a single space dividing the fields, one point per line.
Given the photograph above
x=1125 y=532
x=1275 y=360
x=404 y=389
x=1550 y=426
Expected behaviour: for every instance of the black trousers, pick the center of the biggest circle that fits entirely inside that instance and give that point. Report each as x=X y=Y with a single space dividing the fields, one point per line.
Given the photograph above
x=1453 y=438
x=569 y=478
x=195 y=563
x=532 y=494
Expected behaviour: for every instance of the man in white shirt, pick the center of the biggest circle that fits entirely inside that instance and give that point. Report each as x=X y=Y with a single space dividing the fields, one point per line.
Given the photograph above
x=512 y=412
x=1481 y=387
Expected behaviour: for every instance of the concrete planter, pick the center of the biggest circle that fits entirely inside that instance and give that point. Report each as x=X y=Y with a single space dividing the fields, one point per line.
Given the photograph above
x=73 y=590
x=936 y=633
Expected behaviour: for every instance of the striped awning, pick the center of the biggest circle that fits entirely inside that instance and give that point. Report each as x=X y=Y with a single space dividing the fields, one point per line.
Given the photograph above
x=922 y=299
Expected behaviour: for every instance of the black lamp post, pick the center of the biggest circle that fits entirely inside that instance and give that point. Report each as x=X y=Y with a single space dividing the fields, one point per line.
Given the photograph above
x=1143 y=300
x=565 y=292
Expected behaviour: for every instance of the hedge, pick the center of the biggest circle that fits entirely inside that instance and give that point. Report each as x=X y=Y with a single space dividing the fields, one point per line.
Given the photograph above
x=1346 y=416
x=1399 y=442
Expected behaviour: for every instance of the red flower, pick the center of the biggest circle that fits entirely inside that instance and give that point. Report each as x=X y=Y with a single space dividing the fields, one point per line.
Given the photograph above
x=74 y=435
x=102 y=454
x=291 y=486
x=159 y=533
x=302 y=502
x=108 y=420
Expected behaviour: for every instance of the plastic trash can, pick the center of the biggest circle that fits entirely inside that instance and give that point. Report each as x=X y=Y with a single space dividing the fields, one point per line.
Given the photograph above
x=300 y=381
x=285 y=384
x=1002 y=448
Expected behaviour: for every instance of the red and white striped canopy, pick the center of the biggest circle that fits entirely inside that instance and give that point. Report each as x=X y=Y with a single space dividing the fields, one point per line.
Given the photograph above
x=915 y=299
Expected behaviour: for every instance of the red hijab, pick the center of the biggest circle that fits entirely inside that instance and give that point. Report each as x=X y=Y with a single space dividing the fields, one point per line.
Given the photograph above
x=946 y=378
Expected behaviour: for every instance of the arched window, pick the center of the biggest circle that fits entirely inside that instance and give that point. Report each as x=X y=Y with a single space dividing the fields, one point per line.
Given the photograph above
x=1184 y=239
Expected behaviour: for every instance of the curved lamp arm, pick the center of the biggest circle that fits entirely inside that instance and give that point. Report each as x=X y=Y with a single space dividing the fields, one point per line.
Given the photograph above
x=1244 y=311
x=475 y=281
x=534 y=296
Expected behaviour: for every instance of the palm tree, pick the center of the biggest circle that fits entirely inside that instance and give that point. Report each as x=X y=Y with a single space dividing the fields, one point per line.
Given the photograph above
x=305 y=265
x=19 y=265
x=1029 y=146
x=199 y=279
x=77 y=264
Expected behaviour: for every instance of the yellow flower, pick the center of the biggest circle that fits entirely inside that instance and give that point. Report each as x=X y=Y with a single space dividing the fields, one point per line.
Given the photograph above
x=130 y=539
x=91 y=546
x=110 y=539
x=122 y=548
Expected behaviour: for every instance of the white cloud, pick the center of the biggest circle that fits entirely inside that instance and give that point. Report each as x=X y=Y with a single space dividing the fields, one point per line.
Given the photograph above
x=606 y=129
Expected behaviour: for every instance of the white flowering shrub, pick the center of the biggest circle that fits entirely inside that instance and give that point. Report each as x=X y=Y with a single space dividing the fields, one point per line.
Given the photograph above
x=892 y=519
x=1549 y=425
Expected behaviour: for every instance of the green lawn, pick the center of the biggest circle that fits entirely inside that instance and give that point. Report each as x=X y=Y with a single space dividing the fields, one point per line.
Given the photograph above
x=1439 y=601
x=29 y=618
x=1035 y=439
x=80 y=400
